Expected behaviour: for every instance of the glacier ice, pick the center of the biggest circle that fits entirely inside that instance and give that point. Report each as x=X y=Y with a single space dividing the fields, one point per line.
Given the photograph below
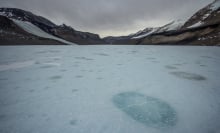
x=87 y=89
x=148 y=110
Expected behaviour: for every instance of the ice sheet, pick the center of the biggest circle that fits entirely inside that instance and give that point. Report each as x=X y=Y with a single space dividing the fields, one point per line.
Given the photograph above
x=72 y=89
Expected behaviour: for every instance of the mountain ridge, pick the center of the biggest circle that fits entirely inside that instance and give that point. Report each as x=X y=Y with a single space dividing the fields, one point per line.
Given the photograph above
x=200 y=29
x=61 y=31
x=203 y=28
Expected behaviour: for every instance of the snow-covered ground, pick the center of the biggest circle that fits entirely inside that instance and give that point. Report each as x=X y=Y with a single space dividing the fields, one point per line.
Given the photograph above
x=146 y=34
x=109 y=89
x=175 y=25
x=30 y=28
x=196 y=24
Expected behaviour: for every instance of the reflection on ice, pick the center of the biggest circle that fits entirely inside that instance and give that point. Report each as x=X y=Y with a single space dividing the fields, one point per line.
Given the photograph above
x=147 y=110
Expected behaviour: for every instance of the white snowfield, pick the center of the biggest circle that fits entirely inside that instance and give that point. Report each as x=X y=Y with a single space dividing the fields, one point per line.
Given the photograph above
x=213 y=7
x=16 y=65
x=31 y=28
x=109 y=89
x=145 y=35
x=196 y=25
x=175 y=25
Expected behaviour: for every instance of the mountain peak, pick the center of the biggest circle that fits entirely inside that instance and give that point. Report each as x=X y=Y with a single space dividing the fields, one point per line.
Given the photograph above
x=19 y=14
x=205 y=16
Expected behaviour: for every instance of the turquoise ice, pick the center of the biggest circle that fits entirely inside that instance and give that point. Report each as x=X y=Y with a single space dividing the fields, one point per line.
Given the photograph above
x=145 y=109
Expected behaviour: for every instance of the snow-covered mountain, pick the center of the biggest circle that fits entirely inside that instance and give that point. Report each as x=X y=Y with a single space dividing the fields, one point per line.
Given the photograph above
x=20 y=32
x=22 y=15
x=172 y=26
x=141 y=33
x=42 y=27
x=135 y=37
x=206 y=16
x=32 y=29
x=202 y=28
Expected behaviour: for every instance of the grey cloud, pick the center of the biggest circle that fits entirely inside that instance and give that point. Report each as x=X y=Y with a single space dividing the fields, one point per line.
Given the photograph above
x=110 y=17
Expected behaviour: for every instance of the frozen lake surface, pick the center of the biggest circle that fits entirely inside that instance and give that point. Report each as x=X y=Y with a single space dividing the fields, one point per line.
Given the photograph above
x=109 y=89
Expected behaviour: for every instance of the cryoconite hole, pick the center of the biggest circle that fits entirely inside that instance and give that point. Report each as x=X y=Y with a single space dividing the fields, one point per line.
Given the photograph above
x=150 y=111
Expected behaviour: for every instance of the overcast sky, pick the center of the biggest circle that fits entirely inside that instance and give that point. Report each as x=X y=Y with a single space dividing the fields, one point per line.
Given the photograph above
x=110 y=17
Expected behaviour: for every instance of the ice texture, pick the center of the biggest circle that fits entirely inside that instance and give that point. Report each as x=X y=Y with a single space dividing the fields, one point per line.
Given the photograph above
x=147 y=110
x=109 y=89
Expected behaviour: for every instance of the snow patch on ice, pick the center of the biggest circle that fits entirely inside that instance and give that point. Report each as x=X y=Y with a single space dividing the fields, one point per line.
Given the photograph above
x=16 y=65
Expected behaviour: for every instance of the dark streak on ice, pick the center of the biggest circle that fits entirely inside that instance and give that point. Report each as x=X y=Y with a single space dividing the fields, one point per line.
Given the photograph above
x=170 y=67
x=3 y=79
x=83 y=58
x=74 y=90
x=150 y=58
x=79 y=76
x=73 y=122
x=3 y=117
x=99 y=78
x=56 y=77
x=189 y=76
x=102 y=54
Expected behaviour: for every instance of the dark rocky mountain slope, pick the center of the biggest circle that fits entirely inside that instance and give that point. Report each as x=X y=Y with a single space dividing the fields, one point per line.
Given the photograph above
x=203 y=28
x=60 y=31
x=10 y=33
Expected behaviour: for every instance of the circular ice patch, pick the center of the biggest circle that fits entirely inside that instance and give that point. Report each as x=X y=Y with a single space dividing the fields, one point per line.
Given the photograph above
x=147 y=110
